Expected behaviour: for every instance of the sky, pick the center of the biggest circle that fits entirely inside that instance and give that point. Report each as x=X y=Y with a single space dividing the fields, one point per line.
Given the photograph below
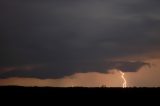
x=80 y=42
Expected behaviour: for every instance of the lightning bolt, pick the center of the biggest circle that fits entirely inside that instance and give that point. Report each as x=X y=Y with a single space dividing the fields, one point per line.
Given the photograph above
x=124 y=80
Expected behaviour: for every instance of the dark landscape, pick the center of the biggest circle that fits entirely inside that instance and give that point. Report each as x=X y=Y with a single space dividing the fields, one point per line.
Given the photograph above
x=78 y=91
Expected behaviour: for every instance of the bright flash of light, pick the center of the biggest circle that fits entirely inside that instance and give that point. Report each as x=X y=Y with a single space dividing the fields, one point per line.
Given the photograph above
x=124 y=80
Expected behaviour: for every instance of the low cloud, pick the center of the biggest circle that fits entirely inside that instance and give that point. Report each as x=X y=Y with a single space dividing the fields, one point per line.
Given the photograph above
x=54 y=71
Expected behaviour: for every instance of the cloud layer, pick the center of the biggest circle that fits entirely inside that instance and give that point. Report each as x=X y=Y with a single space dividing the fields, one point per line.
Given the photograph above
x=67 y=37
x=54 y=71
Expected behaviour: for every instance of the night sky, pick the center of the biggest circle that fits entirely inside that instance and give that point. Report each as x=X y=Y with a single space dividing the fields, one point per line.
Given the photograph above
x=79 y=42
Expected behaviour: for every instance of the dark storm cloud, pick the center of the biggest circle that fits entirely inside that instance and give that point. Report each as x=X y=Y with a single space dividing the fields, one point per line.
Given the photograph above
x=64 y=33
x=54 y=71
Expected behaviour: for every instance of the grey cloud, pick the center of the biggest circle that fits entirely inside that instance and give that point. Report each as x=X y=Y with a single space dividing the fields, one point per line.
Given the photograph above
x=59 y=71
x=66 y=32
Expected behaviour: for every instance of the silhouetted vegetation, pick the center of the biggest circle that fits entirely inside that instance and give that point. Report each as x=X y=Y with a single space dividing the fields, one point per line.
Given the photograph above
x=57 y=91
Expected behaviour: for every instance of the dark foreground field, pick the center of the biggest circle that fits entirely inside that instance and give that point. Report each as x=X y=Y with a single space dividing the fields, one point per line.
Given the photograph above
x=74 y=91
x=80 y=95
